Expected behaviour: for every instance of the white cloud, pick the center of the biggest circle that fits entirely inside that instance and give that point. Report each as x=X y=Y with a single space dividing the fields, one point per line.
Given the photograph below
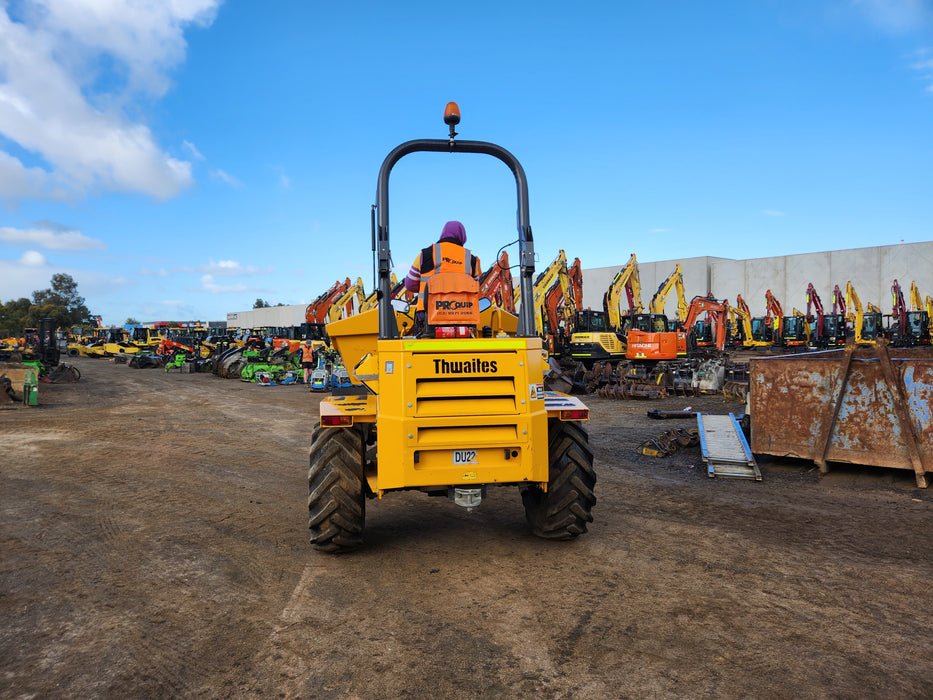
x=193 y=150
x=51 y=65
x=209 y=285
x=219 y=174
x=772 y=212
x=51 y=237
x=226 y=268
x=161 y=272
x=32 y=258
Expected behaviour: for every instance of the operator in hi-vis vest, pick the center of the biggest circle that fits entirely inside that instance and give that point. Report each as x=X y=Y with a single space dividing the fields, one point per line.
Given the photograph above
x=307 y=359
x=447 y=255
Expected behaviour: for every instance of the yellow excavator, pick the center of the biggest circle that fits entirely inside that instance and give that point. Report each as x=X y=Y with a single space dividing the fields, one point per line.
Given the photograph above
x=555 y=273
x=866 y=326
x=740 y=325
x=600 y=335
x=656 y=307
x=343 y=306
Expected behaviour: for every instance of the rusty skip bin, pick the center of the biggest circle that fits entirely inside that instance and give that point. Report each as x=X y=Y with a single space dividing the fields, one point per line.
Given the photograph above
x=867 y=405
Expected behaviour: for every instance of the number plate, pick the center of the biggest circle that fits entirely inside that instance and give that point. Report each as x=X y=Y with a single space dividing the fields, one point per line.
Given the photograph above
x=464 y=457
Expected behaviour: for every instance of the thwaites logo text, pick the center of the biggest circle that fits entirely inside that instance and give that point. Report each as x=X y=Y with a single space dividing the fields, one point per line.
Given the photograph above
x=474 y=366
x=442 y=305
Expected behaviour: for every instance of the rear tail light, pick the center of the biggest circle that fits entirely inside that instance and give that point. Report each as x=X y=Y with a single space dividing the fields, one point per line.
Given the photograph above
x=336 y=421
x=575 y=414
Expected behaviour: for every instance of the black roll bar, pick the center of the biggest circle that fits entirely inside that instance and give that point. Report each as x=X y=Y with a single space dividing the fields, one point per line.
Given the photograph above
x=387 y=326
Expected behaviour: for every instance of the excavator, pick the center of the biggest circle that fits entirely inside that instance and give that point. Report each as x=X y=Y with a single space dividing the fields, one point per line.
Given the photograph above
x=555 y=274
x=496 y=284
x=766 y=330
x=316 y=311
x=600 y=335
x=560 y=304
x=343 y=305
x=740 y=319
x=830 y=329
x=911 y=325
x=867 y=327
x=656 y=307
x=795 y=330
x=398 y=292
x=929 y=310
x=672 y=345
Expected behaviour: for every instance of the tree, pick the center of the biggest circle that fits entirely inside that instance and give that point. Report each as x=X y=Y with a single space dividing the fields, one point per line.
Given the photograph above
x=13 y=316
x=131 y=322
x=63 y=294
x=261 y=304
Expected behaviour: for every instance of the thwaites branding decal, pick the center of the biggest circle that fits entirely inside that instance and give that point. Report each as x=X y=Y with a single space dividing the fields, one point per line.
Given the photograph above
x=473 y=366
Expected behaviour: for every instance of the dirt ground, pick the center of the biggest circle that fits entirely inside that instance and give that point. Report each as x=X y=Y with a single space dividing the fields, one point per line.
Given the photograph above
x=153 y=543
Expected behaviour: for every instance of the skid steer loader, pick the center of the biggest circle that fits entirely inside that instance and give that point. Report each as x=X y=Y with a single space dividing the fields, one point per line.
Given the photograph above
x=454 y=410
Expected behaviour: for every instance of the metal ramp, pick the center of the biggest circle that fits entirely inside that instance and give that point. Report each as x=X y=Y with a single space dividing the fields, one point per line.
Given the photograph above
x=725 y=450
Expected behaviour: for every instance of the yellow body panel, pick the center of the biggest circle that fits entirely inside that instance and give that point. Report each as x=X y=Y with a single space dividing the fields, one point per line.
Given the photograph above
x=448 y=412
x=438 y=396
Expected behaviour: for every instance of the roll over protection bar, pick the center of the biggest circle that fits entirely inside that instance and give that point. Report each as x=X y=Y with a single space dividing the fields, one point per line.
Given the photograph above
x=387 y=324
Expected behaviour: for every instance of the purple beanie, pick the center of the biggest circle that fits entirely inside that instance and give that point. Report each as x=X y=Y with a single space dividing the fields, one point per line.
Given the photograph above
x=453 y=231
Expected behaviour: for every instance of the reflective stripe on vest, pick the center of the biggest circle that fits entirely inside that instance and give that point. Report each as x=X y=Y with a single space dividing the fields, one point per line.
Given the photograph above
x=464 y=264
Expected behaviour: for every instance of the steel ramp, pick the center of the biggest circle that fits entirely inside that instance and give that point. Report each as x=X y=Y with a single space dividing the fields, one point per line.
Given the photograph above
x=725 y=450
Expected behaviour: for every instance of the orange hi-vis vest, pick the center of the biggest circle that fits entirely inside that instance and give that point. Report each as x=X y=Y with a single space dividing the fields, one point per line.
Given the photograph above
x=307 y=354
x=442 y=257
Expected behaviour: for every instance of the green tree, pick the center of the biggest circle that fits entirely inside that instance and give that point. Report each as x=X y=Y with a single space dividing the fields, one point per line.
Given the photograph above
x=261 y=304
x=63 y=293
x=130 y=321
x=13 y=316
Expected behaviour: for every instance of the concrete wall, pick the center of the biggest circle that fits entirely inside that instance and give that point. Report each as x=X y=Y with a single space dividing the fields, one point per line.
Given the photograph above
x=871 y=271
x=652 y=275
x=293 y=315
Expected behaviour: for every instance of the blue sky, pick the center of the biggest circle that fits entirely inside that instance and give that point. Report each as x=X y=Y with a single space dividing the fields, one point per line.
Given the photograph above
x=180 y=160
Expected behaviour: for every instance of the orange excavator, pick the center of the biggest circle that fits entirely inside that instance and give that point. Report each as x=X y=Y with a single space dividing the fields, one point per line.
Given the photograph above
x=560 y=306
x=316 y=311
x=773 y=320
x=496 y=284
x=672 y=345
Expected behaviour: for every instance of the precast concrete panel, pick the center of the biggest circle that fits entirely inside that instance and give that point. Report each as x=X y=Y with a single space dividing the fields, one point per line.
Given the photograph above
x=799 y=272
x=760 y=276
x=910 y=262
x=595 y=283
x=729 y=280
x=864 y=268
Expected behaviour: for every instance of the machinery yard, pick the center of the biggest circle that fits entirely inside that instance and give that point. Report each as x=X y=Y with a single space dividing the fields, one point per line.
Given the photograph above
x=155 y=543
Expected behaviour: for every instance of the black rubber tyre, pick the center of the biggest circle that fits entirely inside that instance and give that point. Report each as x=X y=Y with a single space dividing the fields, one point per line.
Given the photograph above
x=336 y=502
x=563 y=511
